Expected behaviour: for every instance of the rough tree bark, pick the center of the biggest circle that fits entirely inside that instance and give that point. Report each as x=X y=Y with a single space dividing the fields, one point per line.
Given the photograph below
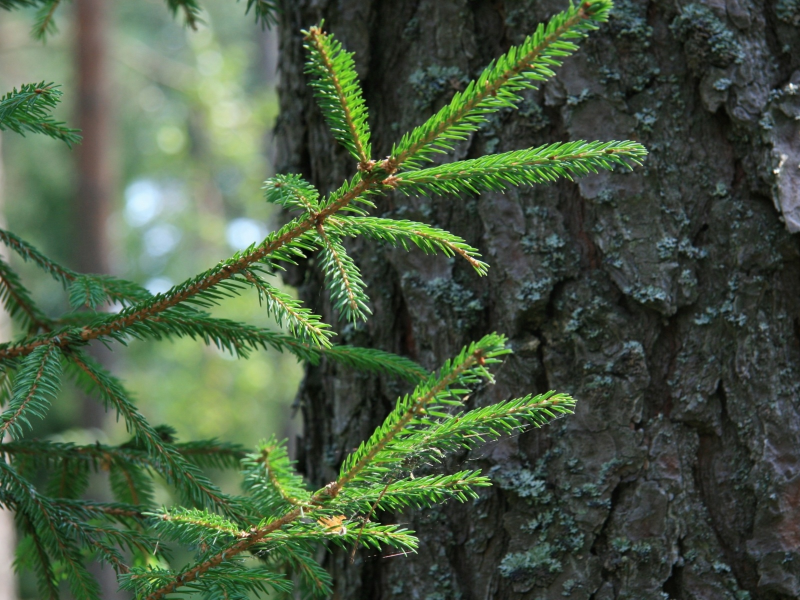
x=666 y=301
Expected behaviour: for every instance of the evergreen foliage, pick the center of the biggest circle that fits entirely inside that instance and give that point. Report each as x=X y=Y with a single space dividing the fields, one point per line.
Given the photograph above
x=278 y=519
x=28 y=110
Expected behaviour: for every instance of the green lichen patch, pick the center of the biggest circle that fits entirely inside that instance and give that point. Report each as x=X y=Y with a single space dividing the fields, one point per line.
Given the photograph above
x=523 y=482
x=788 y=11
x=628 y=24
x=707 y=40
x=535 y=567
x=432 y=82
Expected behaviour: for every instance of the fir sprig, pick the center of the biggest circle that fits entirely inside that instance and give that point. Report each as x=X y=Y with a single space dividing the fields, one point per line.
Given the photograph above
x=498 y=172
x=429 y=399
x=334 y=510
x=431 y=240
x=45 y=20
x=270 y=478
x=28 y=110
x=36 y=384
x=265 y=12
x=18 y=302
x=343 y=279
x=338 y=92
x=292 y=192
x=500 y=84
x=190 y=10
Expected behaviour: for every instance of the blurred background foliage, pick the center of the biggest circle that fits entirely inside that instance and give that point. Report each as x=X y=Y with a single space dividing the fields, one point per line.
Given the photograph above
x=192 y=113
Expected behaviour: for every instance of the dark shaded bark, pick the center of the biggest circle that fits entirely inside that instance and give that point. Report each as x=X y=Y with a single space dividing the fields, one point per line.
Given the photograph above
x=666 y=301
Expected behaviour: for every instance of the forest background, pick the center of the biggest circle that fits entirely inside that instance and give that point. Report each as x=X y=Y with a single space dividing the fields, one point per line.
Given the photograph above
x=187 y=132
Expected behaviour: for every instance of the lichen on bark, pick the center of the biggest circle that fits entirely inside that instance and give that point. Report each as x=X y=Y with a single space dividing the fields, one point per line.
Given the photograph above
x=667 y=301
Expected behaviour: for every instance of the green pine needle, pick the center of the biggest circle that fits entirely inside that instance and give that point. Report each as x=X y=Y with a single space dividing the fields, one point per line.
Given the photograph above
x=190 y=9
x=36 y=384
x=45 y=24
x=500 y=84
x=18 y=302
x=264 y=11
x=343 y=280
x=338 y=93
x=292 y=192
x=430 y=240
x=28 y=110
x=498 y=172
x=271 y=480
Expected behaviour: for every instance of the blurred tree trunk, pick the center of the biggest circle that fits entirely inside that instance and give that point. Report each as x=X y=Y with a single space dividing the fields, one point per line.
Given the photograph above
x=95 y=174
x=666 y=301
x=95 y=187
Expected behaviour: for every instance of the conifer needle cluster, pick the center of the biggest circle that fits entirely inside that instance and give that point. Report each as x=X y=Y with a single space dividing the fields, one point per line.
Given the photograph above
x=278 y=518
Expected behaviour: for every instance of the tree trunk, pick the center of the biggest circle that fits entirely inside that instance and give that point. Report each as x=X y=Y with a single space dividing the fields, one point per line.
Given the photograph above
x=667 y=301
x=95 y=172
x=94 y=191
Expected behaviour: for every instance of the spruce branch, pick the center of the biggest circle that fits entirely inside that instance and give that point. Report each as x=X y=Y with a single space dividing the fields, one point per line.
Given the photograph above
x=51 y=524
x=212 y=454
x=490 y=422
x=18 y=302
x=235 y=582
x=271 y=480
x=338 y=93
x=45 y=577
x=196 y=488
x=264 y=11
x=193 y=527
x=113 y=289
x=292 y=192
x=28 y=110
x=36 y=384
x=342 y=532
x=466 y=369
x=359 y=484
x=399 y=232
x=301 y=322
x=277 y=245
x=498 y=172
x=497 y=87
x=422 y=492
x=190 y=10
x=370 y=360
x=113 y=512
x=49 y=455
x=343 y=279
x=522 y=67
x=28 y=253
x=45 y=24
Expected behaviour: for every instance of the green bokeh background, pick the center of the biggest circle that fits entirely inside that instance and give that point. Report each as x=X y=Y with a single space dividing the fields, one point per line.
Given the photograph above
x=193 y=114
